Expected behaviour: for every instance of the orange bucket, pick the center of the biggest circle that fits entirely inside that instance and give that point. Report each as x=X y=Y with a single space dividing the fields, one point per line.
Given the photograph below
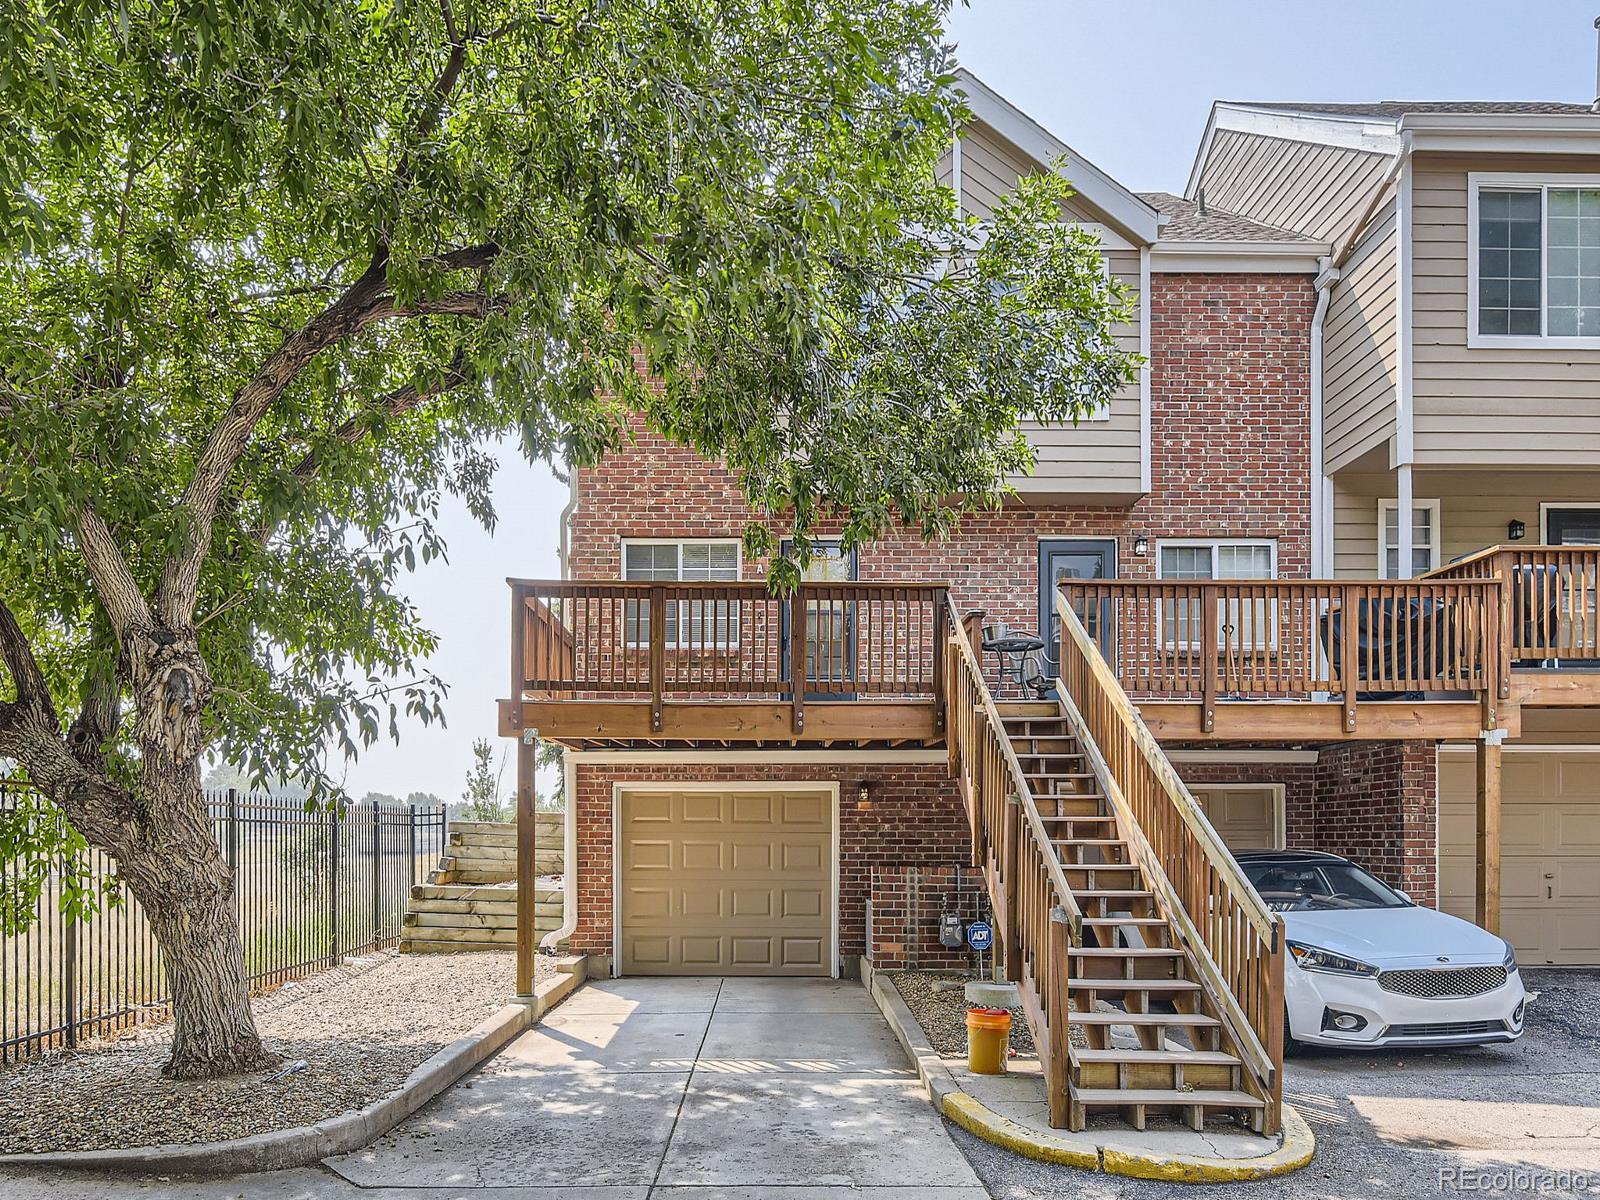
x=988 y=1038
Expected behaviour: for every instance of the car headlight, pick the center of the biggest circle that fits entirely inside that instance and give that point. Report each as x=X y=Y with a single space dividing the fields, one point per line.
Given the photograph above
x=1314 y=958
x=1510 y=959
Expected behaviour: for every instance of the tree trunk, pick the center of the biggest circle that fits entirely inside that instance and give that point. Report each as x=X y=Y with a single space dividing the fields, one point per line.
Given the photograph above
x=183 y=883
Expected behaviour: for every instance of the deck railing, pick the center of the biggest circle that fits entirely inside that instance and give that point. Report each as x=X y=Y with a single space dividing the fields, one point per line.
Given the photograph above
x=1236 y=941
x=1548 y=607
x=1290 y=638
x=728 y=641
x=1038 y=917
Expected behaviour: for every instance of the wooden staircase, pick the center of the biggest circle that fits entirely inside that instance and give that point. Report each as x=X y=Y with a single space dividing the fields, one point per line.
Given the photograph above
x=1119 y=913
x=470 y=900
x=1130 y=971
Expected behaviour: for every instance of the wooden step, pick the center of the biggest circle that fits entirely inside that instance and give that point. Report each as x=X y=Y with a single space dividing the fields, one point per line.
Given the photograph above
x=1176 y=1058
x=1118 y=1017
x=1119 y=1096
x=1133 y=985
x=1113 y=922
x=1111 y=894
x=1122 y=952
x=1024 y=709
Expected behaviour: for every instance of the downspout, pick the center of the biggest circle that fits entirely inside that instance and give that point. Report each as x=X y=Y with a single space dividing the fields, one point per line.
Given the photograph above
x=1321 y=485
x=569 y=826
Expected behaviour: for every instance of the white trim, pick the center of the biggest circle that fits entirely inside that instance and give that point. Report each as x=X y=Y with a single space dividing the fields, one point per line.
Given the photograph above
x=1405 y=531
x=1280 y=805
x=1384 y=505
x=1236 y=258
x=569 y=863
x=955 y=170
x=1527 y=180
x=1544 y=513
x=711 y=758
x=1524 y=748
x=1146 y=403
x=1349 y=131
x=618 y=787
x=1405 y=339
x=1302 y=757
x=1129 y=213
x=1320 y=518
x=1109 y=238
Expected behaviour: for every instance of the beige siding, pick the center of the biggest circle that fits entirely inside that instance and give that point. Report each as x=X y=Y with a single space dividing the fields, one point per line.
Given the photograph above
x=1533 y=407
x=1474 y=509
x=1096 y=458
x=1314 y=189
x=1360 y=365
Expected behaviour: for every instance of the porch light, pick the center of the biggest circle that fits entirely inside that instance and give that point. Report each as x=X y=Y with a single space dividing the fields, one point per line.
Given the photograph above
x=1141 y=545
x=1516 y=530
x=863 y=791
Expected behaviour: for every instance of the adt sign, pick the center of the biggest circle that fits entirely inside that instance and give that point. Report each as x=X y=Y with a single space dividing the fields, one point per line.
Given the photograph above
x=980 y=936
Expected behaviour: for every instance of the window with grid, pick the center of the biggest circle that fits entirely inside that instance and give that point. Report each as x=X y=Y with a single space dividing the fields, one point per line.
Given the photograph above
x=696 y=624
x=1538 y=261
x=1424 y=538
x=1181 y=619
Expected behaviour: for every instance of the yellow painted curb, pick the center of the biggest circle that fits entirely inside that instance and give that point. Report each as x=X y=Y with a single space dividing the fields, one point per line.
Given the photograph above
x=1298 y=1146
x=1299 y=1143
x=976 y=1118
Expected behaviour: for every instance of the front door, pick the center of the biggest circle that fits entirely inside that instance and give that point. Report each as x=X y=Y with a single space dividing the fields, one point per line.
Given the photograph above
x=830 y=625
x=1572 y=526
x=1060 y=559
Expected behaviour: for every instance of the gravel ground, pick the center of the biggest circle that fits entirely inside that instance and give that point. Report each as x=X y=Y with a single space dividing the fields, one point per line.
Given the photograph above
x=942 y=1012
x=360 y=1029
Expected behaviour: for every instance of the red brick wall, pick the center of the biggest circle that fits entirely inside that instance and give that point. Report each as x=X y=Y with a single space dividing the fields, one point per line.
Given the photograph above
x=1377 y=804
x=912 y=816
x=1299 y=790
x=907 y=903
x=1230 y=457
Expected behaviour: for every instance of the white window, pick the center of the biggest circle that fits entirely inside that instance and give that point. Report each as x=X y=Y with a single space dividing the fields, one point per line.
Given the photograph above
x=1534 y=260
x=1424 y=538
x=711 y=623
x=1181 y=618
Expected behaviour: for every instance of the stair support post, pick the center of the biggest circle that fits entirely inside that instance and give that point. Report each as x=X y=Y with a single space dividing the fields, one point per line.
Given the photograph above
x=527 y=856
x=1057 y=1066
x=1010 y=857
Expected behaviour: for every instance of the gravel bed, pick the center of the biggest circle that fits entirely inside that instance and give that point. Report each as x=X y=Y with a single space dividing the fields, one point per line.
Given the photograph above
x=937 y=1002
x=360 y=1029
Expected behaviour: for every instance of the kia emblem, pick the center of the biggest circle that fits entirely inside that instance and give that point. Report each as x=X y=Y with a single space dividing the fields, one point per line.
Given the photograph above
x=1442 y=958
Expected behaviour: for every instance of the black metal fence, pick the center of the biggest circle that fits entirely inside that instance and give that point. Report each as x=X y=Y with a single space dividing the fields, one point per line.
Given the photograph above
x=310 y=887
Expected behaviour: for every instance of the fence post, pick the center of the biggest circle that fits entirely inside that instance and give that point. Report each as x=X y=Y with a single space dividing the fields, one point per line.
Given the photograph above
x=333 y=886
x=233 y=832
x=377 y=867
x=411 y=849
x=69 y=973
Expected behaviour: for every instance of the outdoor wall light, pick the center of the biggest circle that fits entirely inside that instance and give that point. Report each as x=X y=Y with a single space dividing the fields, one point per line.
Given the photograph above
x=863 y=791
x=1141 y=545
x=1516 y=530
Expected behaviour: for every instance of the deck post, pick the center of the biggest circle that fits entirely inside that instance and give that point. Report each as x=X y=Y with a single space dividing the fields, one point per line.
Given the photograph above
x=519 y=643
x=797 y=659
x=527 y=858
x=1057 y=1067
x=941 y=635
x=1348 y=649
x=1210 y=651
x=658 y=654
x=1488 y=849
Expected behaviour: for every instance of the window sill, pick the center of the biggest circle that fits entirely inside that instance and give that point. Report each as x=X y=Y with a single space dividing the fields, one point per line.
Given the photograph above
x=1486 y=341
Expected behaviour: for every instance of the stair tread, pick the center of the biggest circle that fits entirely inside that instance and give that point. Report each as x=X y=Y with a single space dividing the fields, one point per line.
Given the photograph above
x=1110 y=892
x=1112 y=922
x=1124 y=952
x=1165 y=1096
x=1117 y=1017
x=1134 y=985
x=1136 y=1054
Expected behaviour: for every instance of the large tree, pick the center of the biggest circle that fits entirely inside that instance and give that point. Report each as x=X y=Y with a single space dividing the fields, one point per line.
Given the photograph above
x=275 y=271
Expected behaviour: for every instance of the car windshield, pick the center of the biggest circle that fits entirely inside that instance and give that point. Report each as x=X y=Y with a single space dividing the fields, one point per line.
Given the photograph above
x=1308 y=886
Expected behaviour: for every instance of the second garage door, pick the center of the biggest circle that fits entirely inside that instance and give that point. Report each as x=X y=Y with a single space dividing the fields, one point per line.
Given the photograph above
x=1550 y=851
x=733 y=881
x=1245 y=816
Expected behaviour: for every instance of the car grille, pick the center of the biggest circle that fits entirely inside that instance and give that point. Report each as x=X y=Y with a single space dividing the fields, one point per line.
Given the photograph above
x=1448 y=1029
x=1451 y=981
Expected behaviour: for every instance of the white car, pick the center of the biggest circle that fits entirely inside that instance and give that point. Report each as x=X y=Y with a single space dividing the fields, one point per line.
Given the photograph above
x=1367 y=967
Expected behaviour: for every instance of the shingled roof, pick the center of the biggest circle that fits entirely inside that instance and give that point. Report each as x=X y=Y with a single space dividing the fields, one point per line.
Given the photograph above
x=1393 y=110
x=1186 y=223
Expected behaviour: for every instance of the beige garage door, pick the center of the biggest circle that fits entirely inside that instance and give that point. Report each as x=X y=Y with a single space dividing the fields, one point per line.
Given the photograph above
x=737 y=881
x=1246 y=817
x=1550 y=851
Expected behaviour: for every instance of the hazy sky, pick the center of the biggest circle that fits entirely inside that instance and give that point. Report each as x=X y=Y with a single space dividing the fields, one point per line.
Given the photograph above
x=1127 y=84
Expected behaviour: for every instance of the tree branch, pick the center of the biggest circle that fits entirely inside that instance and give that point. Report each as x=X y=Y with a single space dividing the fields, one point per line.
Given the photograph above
x=33 y=693
x=113 y=579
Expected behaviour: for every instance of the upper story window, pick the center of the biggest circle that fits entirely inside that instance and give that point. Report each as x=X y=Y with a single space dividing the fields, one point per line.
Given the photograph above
x=1535 y=260
x=711 y=623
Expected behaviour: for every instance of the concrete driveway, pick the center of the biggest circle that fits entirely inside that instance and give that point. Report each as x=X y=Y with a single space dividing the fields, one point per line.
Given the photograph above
x=687 y=1088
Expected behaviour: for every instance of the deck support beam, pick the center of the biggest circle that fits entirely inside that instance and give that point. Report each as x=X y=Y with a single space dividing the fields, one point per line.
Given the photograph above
x=1488 y=846
x=527 y=945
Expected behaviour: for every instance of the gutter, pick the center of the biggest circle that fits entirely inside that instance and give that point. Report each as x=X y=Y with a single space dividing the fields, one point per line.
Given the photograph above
x=1321 y=484
x=569 y=825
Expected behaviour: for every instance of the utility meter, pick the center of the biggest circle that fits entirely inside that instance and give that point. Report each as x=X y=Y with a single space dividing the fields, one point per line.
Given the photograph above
x=951 y=934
